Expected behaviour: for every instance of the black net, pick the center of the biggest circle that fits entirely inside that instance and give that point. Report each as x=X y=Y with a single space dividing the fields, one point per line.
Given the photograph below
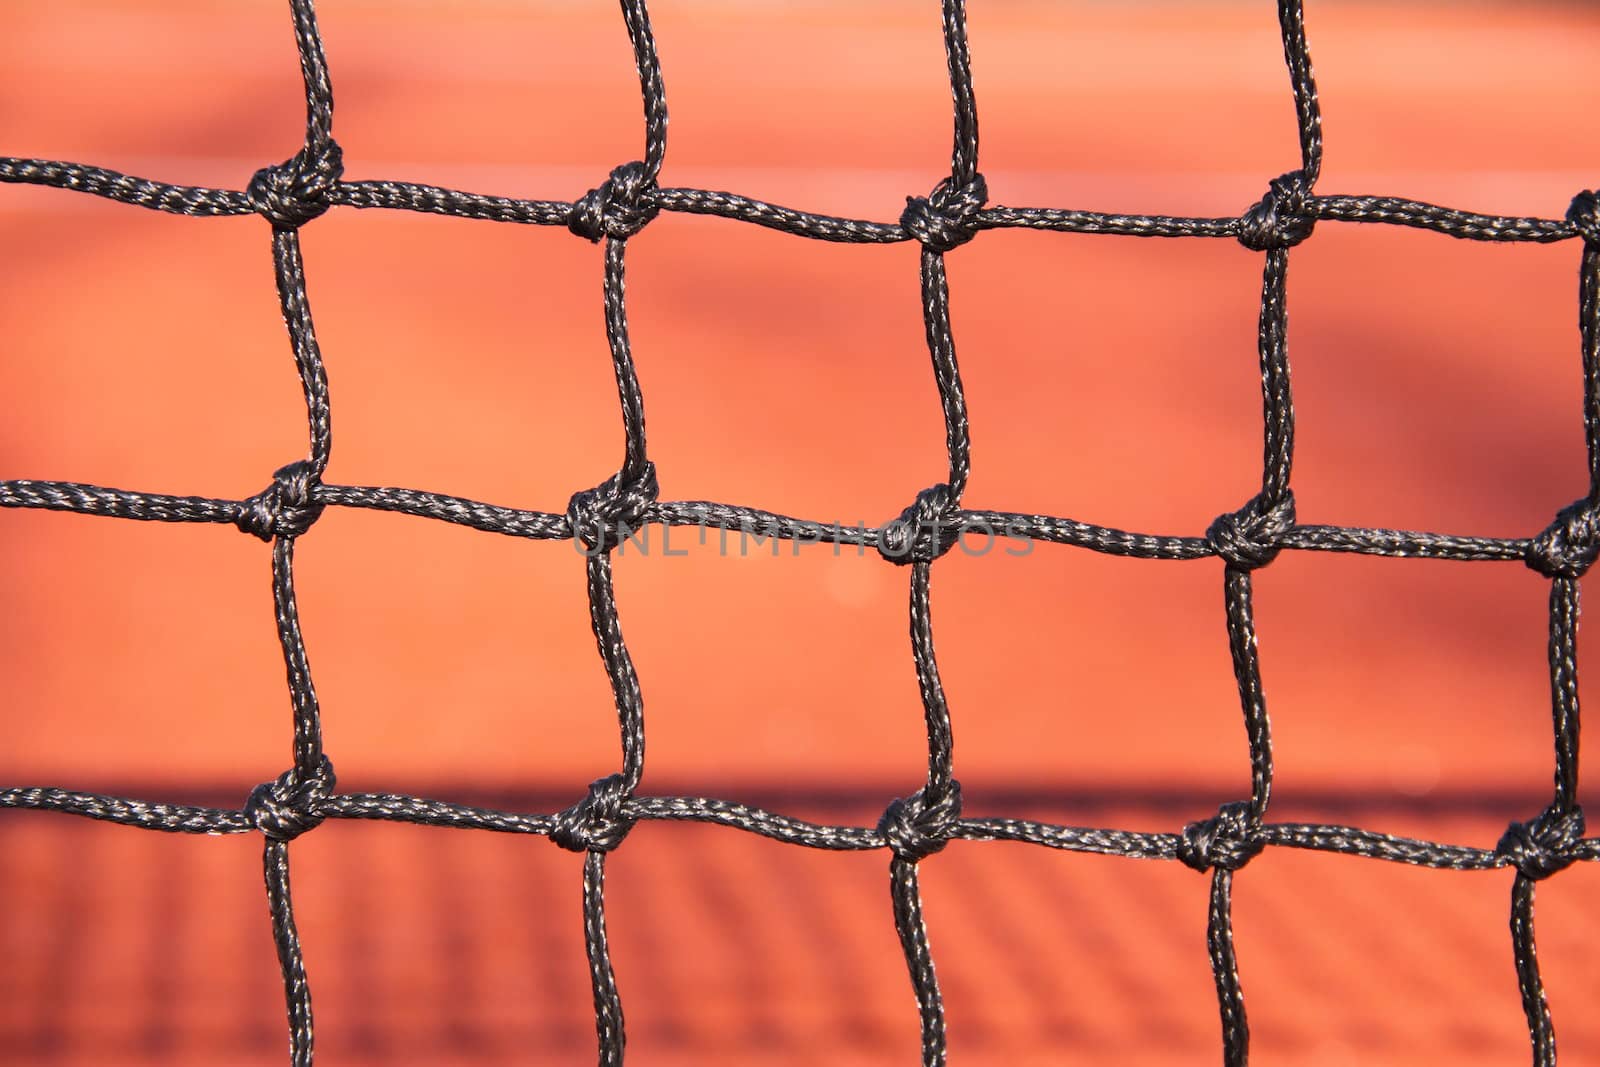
x=914 y=827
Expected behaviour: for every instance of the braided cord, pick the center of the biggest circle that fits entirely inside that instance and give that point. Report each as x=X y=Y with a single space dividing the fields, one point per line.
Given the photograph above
x=598 y=520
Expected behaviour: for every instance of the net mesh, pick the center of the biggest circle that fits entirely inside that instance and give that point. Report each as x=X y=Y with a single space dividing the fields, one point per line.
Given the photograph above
x=598 y=520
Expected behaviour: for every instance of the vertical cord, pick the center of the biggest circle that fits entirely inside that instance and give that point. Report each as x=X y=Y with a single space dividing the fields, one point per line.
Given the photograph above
x=919 y=826
x=1308 y=110
x=609 y=1029
x=1277 y=400
x=297 y=990
x=599 y=518
x=311 y=778
x=314 y=73
x=651 y=86
x=1248 y=539
x=635 y=461
x=964 y=153
x=1555 y=833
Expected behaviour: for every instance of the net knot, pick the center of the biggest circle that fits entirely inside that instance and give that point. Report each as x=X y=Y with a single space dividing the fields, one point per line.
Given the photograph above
x=1568 y=546
x=299 y=189
x=619 y=208
x=947 y=217
x=1248 y=538
x=288 y=806
x=601 y=517
x=596 y=823
x=285 y=508
x=920 y=825
x=1224 y=842
x=924 y=531
x=1283 y=217
x=1584 y=214
x=1543 y=845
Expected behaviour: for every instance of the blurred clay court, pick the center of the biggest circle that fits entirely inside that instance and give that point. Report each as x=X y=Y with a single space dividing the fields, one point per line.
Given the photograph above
x=1110 y=379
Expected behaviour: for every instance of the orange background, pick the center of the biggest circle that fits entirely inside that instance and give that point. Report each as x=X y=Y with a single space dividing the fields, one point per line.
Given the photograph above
x=1110 y=380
